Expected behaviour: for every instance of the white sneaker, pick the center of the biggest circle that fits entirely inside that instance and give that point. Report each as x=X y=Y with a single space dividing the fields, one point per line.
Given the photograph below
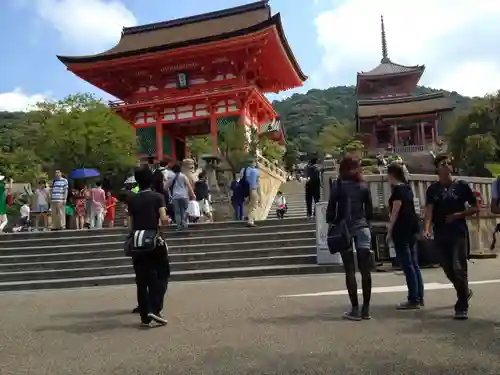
x=158 y=319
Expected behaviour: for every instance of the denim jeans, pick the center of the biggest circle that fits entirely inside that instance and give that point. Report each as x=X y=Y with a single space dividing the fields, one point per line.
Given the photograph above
x=238 y=210
x=407 y=257
x=180 y=211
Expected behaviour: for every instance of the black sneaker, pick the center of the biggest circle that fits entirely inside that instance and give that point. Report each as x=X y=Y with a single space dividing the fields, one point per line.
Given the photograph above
x=461 y=315
x=352 y=315
x=158 y=319
x=365 y=313
x=408 y=306
x=421 y=302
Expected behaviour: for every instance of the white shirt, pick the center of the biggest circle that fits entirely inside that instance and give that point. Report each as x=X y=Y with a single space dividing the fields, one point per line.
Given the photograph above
x=41 y=196
x=25 y=211
x=280 y=200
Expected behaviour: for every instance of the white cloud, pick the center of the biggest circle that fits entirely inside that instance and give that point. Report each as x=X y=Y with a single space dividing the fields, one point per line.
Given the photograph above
x=89 y=25
x=457 y=40
x=18 y=100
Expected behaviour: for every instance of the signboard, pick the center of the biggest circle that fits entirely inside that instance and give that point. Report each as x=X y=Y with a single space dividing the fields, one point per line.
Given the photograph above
x=323 y=255
x=182 y=81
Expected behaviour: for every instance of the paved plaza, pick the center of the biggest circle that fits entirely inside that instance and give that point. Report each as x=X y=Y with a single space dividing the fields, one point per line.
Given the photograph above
x=249 y=327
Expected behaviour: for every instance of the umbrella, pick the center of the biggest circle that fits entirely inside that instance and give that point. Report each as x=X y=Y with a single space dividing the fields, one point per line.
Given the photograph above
x=81 y=173
x=130 y=180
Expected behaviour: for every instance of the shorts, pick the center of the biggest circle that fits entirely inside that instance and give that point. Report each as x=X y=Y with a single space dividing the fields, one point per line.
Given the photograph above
x=42 y=208
x=362 y=238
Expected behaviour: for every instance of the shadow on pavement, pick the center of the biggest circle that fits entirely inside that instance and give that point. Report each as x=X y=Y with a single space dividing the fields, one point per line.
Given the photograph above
x=93 y=314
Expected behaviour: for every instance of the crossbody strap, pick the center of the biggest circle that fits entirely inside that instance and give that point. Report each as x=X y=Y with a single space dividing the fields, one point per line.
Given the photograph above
x=348 y=204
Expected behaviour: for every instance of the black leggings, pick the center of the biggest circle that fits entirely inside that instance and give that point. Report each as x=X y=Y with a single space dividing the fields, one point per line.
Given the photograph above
x=364 y=265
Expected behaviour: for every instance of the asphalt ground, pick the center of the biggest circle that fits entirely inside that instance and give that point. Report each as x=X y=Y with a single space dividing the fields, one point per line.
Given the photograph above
x=247 y=327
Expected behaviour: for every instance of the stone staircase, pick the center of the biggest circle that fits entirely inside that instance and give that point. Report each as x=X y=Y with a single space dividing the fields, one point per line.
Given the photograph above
x=50 y=260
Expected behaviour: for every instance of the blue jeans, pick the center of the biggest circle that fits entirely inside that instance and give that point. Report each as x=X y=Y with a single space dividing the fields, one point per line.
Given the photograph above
x=180 y=208
x=407 y=257
x=238 y=210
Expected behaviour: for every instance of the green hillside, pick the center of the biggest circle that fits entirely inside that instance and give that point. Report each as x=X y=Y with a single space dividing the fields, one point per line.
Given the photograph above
x=305 y=115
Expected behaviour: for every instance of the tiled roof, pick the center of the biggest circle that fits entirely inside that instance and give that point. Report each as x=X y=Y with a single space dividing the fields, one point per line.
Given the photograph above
x=386 y=66
x=146 y=37
x=410 y=105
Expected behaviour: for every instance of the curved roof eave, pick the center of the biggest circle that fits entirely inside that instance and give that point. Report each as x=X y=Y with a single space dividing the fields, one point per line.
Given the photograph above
x=273 y=21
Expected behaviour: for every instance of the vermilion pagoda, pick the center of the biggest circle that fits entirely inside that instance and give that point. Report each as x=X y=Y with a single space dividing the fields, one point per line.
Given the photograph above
x=388 y=115
x=194 y=75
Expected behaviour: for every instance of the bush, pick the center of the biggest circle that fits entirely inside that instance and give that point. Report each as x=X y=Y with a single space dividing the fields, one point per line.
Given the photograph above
x=367 y=162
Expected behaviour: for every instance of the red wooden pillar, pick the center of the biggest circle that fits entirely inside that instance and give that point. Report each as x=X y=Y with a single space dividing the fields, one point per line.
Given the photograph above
x=159 y=141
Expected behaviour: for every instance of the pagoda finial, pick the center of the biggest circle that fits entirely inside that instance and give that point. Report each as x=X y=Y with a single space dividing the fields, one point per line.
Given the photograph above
x=385 y=57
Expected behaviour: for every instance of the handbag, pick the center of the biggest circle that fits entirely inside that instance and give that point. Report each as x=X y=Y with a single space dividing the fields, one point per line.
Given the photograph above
x=339 y=236
x=141 y=241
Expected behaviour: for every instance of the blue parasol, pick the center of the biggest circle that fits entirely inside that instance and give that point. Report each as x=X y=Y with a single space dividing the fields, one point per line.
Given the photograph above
x=81 y=173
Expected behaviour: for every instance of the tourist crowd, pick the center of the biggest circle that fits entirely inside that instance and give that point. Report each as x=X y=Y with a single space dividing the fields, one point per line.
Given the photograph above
x=448 y=203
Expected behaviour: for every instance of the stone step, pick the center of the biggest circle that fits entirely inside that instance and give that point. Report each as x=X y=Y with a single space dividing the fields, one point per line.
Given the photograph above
x=126 y=269
x=224 y=273
x=88 y=237
x=6 y=237
x=93 y=259
x=181 y=244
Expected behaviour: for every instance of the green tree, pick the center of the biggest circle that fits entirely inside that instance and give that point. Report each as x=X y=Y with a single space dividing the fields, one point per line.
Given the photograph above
x=234 y=145
x=81 y=131
x=480 y=149
x=291 y=156
x=334 y=138
x=22 y=165
x=200 y=145
x=271 y=150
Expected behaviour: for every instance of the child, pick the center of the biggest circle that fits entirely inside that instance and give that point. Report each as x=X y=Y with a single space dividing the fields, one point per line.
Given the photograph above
x=110 y=209
x=281 y=205
x=24 y=220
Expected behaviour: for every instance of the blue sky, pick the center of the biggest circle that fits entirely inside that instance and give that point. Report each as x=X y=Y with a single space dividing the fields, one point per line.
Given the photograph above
x=332 y=40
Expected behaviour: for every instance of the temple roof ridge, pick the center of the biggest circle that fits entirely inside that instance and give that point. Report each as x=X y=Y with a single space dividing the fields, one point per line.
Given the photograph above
x=403 y=99
x=258 y=5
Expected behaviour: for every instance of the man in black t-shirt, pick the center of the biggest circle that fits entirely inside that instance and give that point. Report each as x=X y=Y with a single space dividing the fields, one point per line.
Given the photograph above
x=446 y=211
x=313 y=185
x=152 y=269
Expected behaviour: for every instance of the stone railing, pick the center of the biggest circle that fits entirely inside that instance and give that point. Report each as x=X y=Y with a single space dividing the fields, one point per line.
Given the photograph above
x=271 y=178
x=419 y=183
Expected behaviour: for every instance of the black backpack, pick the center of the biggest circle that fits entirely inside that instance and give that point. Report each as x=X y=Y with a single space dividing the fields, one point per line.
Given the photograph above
x=314 y=174
x=243 y=185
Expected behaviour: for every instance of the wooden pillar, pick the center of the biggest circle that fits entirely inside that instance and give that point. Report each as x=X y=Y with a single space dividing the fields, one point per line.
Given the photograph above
x=396 y=141
x=422 y=132
x=214 y=134
x=172 y=146
x=159 y=140
x=373 y=136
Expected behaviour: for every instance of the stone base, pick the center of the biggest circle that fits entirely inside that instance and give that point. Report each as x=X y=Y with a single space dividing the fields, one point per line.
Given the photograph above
x=222 y=211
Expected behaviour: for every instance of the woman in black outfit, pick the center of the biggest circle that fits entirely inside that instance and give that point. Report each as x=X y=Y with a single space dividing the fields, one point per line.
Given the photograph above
x=350 y=199
x=403 y=230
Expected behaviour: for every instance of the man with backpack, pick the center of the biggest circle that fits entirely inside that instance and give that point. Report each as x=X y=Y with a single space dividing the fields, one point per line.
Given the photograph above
x=313 y=185
x=249 y=188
